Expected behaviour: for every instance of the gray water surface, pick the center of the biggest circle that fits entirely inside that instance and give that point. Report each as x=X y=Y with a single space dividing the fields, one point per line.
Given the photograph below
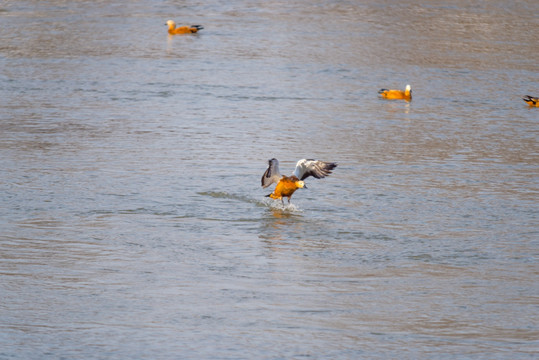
x=133 y=224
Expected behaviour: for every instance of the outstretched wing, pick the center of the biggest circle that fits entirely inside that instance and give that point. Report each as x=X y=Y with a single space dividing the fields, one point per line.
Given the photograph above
x=272 y=174
x=316 y=168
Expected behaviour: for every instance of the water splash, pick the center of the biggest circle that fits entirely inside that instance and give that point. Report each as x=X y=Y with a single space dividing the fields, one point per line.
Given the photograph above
x=274 y=205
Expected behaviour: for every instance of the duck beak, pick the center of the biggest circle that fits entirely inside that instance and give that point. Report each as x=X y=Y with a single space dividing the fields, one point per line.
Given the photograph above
x=305 y=187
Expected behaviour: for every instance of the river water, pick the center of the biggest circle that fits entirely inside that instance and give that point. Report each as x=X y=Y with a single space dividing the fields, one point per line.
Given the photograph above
x=133 y=224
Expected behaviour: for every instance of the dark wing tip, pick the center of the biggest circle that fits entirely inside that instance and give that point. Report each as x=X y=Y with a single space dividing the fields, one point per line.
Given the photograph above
x=328 y=167
x=332 y=165
x=322 y=170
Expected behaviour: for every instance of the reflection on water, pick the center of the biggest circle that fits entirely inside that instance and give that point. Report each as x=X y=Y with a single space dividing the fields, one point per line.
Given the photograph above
x=133 y=221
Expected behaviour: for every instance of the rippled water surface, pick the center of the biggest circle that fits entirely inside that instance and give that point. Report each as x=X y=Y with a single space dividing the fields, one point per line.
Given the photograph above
x=133 y=224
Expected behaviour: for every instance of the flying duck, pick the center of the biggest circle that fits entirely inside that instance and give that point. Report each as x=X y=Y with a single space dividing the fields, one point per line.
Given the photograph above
x=287 y=185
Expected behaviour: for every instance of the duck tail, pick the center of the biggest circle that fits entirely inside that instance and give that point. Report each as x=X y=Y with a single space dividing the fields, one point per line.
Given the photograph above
x=531 y=100
x=381 y=91
x=198 y=27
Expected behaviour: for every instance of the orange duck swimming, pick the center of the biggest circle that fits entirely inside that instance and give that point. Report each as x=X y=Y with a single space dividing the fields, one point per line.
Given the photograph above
x=397 y=94
x=531 y=100
x=173 y=30
x=287 y=185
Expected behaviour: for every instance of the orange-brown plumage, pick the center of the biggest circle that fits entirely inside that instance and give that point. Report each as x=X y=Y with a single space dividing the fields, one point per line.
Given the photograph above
x=286 y=187
x=397 y=94
x=531 y=100
x=173 y=30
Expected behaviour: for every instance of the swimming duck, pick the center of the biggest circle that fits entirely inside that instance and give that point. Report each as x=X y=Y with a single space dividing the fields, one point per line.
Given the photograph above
x=173 y=30
x=531 y=100
x=287 y=185
x=397 y=94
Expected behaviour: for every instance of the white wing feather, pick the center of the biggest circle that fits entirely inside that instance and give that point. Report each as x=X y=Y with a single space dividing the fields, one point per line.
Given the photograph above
x=309 y=167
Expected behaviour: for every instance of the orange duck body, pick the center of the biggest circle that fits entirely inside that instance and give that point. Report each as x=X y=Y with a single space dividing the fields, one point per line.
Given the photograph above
x=173 y=30
x=397 y=94
x=286 y=187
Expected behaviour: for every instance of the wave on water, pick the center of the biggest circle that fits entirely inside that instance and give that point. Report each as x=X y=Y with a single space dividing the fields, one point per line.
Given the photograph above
x=274 y=205
x=226 y=195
